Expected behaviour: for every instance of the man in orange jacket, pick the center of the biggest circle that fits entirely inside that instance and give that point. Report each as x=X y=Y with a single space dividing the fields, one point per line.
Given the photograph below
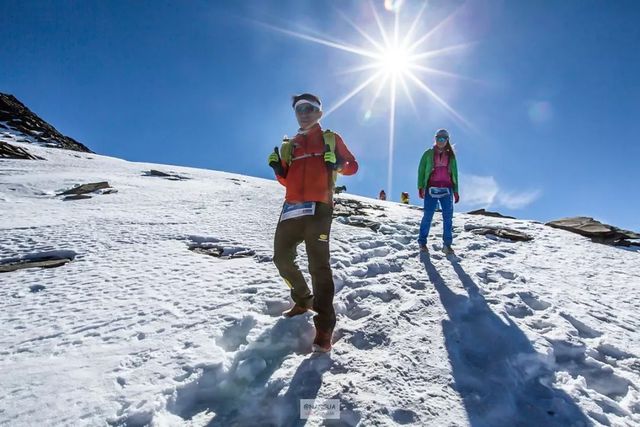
x=307 y=165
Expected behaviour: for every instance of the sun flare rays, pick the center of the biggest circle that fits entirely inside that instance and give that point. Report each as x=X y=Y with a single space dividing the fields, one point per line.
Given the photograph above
x=397 y=57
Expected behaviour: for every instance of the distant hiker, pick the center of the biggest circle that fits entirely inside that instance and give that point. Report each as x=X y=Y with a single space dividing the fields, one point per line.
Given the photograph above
x=438 y=182
x=307 y=166
x=404 y=197
x=382 y=195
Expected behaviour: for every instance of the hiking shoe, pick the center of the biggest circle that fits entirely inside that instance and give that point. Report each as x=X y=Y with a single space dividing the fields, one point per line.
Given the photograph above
x=424 y=248
x=295 y=311
x=322 y=343
x=448 y=250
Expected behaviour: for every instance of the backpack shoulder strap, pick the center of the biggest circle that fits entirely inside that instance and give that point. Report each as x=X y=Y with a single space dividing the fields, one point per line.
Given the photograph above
x=329 y=138
x=285 y=150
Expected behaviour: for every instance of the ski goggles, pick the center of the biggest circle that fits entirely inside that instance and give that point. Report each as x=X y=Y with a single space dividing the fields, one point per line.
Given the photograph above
x=304 y=106
x=442 y=139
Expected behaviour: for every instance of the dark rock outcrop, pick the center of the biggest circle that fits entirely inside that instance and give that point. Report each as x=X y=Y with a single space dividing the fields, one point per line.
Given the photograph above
x=166 y=175
x=16 y=117
x=81 y=192
x=502 y=232
x=48 y=259
x=351 y=207
x=8 y=151
x=597 y=231
x=489 y=213
x=86 y=188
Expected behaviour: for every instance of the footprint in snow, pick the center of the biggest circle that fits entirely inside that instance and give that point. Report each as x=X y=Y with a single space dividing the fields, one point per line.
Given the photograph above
x=583 y=330
x=366 y=340
x=571 y=357
x=404 y=416
x=236 y=394
x=494 y=255
x=533 y=301
x=235 y=335
x=518 y=310
x=542 y=326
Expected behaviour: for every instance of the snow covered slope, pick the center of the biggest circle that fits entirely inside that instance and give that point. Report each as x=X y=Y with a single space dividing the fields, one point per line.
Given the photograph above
x=139 y=330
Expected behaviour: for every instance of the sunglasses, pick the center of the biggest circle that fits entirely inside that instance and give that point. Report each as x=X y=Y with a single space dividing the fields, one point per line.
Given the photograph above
x=442 y=139
x=306 y=108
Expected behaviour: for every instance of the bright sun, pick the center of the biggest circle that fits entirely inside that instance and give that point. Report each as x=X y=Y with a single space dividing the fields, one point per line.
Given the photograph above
x=394 y=62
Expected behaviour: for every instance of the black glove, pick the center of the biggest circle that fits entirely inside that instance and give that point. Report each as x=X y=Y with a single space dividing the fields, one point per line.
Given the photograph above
x=276 y=163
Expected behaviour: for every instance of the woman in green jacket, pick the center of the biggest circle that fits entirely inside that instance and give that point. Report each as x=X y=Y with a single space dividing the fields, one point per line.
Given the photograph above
x=438 y=182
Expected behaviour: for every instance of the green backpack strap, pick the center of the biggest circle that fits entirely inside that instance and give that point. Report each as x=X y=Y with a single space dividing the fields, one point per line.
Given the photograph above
x=286 y=150
x=330 y=140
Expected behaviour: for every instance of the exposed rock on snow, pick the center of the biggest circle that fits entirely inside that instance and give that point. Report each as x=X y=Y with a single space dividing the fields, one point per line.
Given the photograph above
x=80 y=192
x=86 y=188
x=48 y=259
x=352 y=207
x=218 y=248
x=8 y=151
x=167 y=175
x=358 y=214
x=489 y=213
x=597 y=231
x=503 y=232
x=77 y=197
x=359 y=221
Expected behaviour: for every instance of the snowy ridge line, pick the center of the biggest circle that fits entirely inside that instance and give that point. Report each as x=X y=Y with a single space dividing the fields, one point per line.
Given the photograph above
x=139 y=330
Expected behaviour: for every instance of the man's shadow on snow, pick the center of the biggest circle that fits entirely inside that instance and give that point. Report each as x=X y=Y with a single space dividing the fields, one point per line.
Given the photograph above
x=243 y=395
x=501 y=378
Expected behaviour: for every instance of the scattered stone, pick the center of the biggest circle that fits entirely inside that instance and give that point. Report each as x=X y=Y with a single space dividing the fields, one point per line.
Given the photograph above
x=85 y=188
x=221 y=251
x=503 y=232
x=215 y=251
x=237 y=181
x=359 y=222
x=356 y=213
x=597 y=231
x=76 y=197
x=36 y=288
x=8 y=151
x=46 y=262
x=169 y=176
x=350 y=207
x=48 y=259
x=80 y=192
x=489 y=213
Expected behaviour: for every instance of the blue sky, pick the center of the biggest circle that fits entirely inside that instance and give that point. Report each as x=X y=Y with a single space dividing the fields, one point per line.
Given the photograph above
x=551 y=91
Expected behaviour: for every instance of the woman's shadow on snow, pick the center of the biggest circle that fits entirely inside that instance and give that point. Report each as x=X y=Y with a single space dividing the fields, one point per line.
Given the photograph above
x=501 y=378
x=243 y=394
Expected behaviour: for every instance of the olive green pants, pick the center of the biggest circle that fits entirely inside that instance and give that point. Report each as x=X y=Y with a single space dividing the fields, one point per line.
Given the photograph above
x=314 y=231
